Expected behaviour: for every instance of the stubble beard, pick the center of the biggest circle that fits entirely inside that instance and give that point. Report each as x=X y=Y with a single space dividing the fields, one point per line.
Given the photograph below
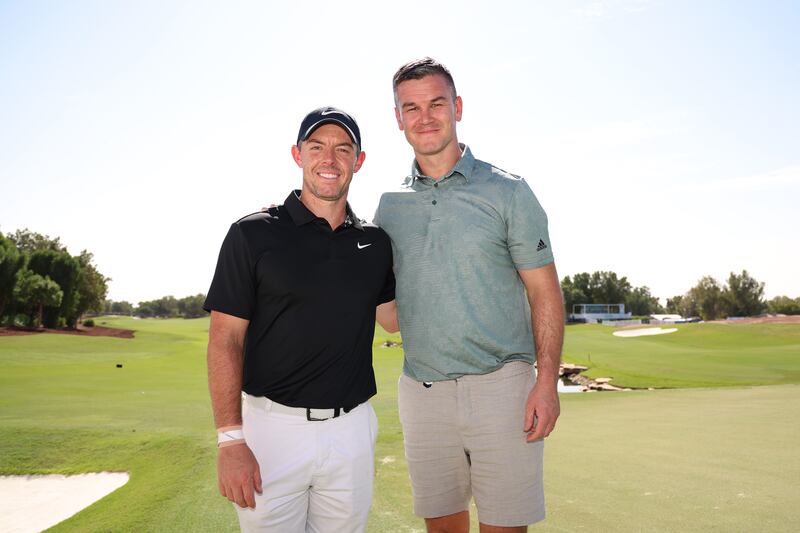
x=328 y=198
x=318 y=193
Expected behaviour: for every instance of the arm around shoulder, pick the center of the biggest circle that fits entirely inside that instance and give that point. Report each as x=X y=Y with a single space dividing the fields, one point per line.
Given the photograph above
x=386 y=316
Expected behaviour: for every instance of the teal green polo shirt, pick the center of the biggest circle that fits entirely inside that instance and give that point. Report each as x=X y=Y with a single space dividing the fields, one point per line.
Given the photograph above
x=458 y=243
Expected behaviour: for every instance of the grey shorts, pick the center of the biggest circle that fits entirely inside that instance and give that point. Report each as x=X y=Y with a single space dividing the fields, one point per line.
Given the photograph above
x=464 y=438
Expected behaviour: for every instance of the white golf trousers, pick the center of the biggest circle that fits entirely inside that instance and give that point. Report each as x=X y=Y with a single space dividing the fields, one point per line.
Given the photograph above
x=316 y=475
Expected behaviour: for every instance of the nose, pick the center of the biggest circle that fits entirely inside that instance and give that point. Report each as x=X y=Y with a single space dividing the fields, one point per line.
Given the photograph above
x=328 y=153
x=425 y=115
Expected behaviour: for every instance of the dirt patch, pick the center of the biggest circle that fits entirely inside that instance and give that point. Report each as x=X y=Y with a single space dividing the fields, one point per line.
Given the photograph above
x=789 y=319
x=96 y=331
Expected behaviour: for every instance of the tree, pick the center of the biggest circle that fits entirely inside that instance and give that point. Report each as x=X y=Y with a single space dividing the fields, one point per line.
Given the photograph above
x=64 y=270
x=11 y=262
x=707 y=298
x=28 y=241
x=574 y=291
x=145 y=309
x=640 y=302
x=34 y=292
x=784 y=305
x=121 y=308
x=164 y=307
x=192 y=306
x=92 y=288
x=82 y=286
x=606 y=288
x=684 y=305
x=744 y=296
x=603 y=287
x=674 y=305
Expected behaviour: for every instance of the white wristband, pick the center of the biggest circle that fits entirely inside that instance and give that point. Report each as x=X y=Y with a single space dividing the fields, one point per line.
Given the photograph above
x=229 y=435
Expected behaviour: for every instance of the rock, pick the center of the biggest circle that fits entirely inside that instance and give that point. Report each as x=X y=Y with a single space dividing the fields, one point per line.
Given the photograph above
x=390 y=344
x=568 y=369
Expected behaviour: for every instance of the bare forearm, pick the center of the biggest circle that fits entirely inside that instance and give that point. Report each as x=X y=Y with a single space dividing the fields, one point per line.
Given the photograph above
x=547 y=318
x=225 y=357
x=225 y=386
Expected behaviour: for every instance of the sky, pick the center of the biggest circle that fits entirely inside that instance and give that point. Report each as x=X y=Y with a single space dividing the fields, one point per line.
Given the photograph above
x=661 y=137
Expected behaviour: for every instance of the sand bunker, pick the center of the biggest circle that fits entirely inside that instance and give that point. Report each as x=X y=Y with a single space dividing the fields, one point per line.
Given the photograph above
x=35 y=503
x=644 y=331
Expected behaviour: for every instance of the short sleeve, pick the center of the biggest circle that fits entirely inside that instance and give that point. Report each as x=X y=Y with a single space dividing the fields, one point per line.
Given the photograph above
x=528 y=239
x=233 y=288
x=387 y=293
x=377 y=218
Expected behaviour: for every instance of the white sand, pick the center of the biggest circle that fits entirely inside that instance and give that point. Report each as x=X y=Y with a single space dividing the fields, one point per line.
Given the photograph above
x=35 y=503
x=644 y=331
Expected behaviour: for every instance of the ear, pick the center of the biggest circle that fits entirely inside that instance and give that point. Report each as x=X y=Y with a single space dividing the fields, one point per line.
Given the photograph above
x=459 y=107
x=359 y=161
x=296 y=156
x=399 y=120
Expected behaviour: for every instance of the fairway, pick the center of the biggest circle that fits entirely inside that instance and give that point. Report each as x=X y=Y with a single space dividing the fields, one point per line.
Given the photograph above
x=697 y=355
x=671 y=460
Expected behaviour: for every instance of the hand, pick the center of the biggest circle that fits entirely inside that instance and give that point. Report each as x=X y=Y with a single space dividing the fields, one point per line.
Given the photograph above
x=542 y=407
x=238 y=475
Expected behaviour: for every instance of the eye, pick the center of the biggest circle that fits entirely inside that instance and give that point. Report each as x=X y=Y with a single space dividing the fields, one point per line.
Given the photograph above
x=344 y=150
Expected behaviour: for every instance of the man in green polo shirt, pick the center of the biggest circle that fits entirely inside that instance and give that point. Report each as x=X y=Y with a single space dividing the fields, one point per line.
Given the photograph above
x=478 y=301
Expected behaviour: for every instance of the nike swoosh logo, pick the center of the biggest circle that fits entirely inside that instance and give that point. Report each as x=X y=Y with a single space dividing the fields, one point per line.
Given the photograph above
x=361 y=247
x=328 y=112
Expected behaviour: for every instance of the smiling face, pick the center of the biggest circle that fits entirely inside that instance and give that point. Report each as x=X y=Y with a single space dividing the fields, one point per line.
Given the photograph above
x=427 y=112
x=329 y=158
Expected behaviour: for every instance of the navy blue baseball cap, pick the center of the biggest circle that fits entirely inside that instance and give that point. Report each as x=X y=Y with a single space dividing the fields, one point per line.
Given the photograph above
x=329 y=115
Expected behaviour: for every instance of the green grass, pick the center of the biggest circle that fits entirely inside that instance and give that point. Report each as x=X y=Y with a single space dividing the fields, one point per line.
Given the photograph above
x=697 y=355
x=675 y=460
x=672 y=460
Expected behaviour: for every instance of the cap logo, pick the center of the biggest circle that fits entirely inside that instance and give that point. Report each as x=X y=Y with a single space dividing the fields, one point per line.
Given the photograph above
x=325 y=115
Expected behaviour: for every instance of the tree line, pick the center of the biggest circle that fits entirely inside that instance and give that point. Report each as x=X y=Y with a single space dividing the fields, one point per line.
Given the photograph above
x=165 y=307
x=742 y=295
x=42 y=284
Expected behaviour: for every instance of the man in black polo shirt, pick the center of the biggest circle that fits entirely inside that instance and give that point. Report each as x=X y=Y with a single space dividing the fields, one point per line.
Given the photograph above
x=293 y=306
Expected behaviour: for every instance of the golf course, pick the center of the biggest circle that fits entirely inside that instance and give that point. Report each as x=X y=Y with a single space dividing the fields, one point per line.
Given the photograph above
x=706 y=441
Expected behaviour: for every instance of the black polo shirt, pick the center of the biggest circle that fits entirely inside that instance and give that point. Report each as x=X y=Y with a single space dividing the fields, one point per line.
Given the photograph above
x=310 y=294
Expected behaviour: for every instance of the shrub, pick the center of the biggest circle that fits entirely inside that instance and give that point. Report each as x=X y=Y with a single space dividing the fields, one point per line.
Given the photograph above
x=89 y=323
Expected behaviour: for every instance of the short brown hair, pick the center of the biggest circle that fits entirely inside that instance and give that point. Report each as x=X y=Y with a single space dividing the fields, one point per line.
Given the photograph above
x=420 y=68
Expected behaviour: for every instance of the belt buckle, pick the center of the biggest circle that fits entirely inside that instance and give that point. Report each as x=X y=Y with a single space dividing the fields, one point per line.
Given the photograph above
x=313 y=419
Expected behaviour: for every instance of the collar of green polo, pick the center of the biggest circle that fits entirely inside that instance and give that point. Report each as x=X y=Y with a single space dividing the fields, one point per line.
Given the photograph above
x=463 y=168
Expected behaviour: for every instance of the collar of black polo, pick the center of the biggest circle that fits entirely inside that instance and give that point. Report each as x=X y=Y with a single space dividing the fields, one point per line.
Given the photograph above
x=302 y=215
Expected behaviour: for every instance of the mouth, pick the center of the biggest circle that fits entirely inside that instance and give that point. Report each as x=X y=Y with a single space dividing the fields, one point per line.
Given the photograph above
x=329 y=174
